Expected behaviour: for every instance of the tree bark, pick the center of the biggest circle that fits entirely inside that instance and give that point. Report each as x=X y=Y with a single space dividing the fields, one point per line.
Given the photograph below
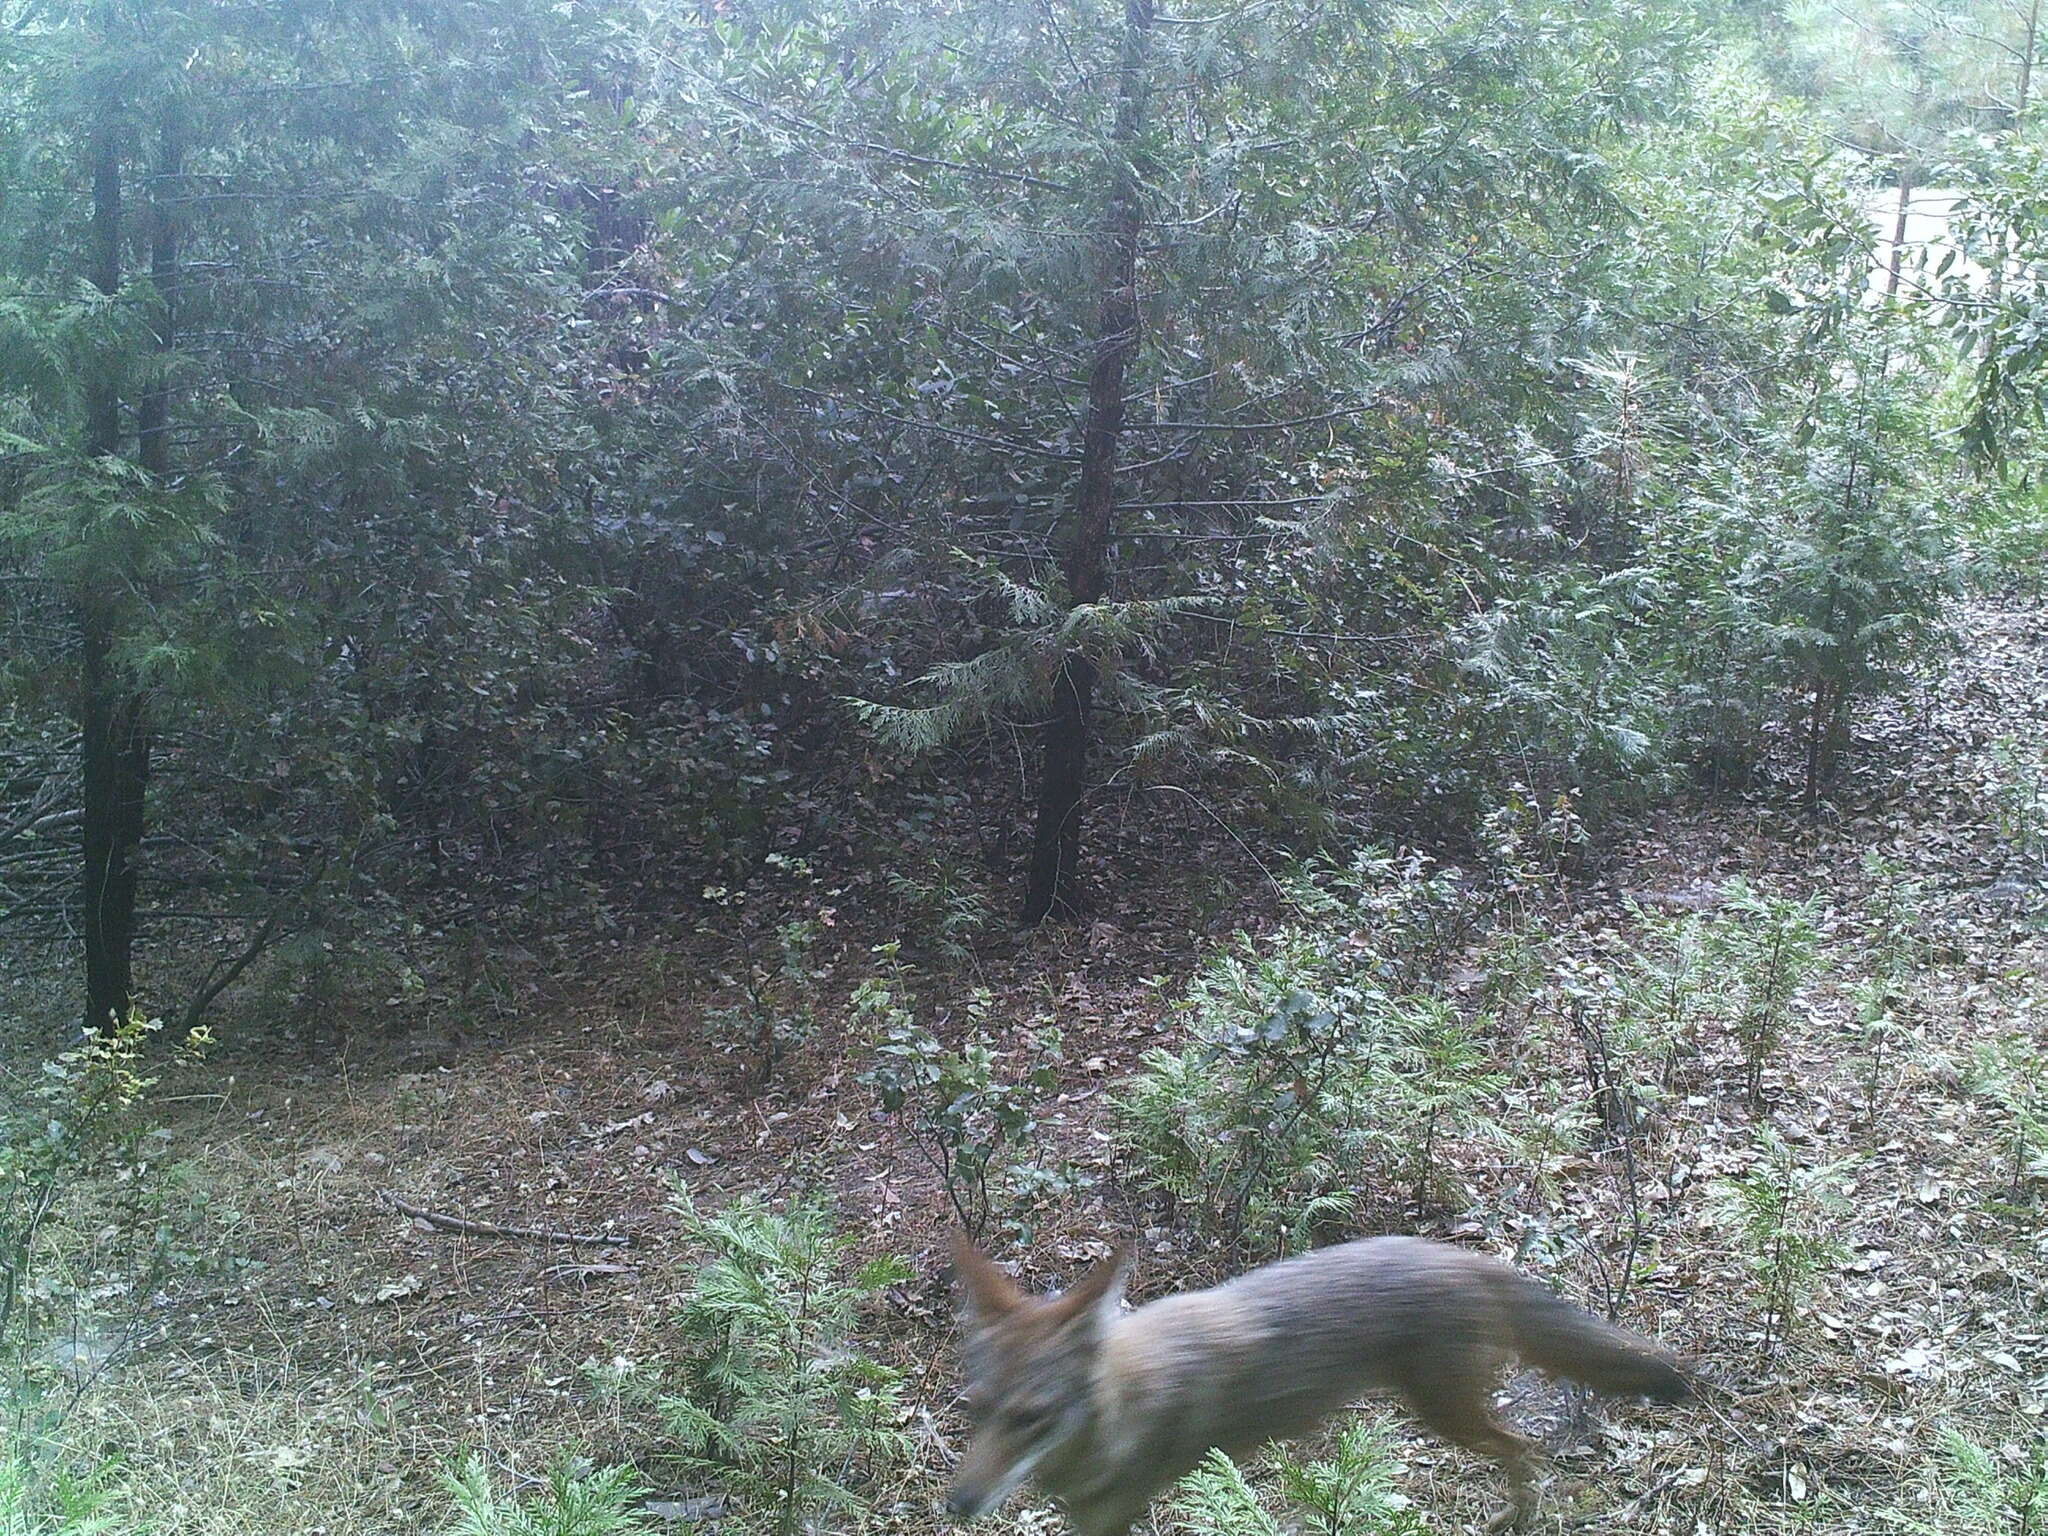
x=1898 y=253
x=114 y=736
x=1063 y=777
x=115 y=769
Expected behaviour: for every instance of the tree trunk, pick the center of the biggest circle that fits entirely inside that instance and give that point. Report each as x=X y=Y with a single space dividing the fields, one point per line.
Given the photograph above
x=115 y=769
x=1898 y=254
x=103 y=403
x=153 y=448
x=2030 y=41
x=114 y=733
x=1063 y=778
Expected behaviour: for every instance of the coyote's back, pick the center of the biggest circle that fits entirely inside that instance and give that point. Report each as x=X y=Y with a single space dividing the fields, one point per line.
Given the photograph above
x=1106 y=1409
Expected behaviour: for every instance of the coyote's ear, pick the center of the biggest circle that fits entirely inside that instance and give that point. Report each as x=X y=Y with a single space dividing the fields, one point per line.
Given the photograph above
x=1098 y=1294
x=989 y=1292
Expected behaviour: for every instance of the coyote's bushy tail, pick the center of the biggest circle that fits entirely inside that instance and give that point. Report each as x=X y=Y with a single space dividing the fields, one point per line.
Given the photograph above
x=1553 y=1335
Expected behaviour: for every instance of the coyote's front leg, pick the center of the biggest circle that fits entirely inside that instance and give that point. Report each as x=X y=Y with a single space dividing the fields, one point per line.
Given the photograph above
x=1105 y=1516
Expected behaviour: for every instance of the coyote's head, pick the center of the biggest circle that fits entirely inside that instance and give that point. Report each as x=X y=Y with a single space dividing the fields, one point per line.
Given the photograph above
x=1030 y=1371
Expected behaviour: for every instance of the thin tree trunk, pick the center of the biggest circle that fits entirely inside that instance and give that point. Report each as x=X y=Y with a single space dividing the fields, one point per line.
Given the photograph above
x=153 y=450
x=103 y=407
x=1056 y=840
x=1830 y=698
x=2023 y=90
x=1063 y=779
x=1898 y=254
x=2026 y=81
x=1816 y=733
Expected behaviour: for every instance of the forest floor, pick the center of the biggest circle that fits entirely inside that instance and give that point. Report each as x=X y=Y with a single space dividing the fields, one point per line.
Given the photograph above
x=321 y=1355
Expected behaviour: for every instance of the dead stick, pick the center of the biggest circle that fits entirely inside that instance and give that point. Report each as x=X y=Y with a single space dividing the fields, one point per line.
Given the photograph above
x=470 y=1228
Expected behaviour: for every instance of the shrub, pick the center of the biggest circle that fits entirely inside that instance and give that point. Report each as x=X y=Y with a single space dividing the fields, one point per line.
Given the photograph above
x=1782 y=1213
x=1349 y=1493
x=576 y=1500
x=779 y=1407
x=1865 y=571
x=964 y=1116
x=1306 y=1074
x=1568 y=708
x=1447 y=1084
x=1281 y=1099
x=2006 y=527
x=1808 y=573
x=1887 y=995
x=1981 y=1493
x=69 y=1271
x=944 y=905
x=775 y=990
x=41 y=1499
x=1762 y=951
x=2017 y=786
x=2011 y=1076
x=1666 y=995
x=1404 y=918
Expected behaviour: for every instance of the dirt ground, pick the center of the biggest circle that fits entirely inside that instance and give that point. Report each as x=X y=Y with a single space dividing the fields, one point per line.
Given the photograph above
x=323 y=1354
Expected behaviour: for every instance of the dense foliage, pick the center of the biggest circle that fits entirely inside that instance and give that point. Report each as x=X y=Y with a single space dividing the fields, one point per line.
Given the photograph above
x=461 y=454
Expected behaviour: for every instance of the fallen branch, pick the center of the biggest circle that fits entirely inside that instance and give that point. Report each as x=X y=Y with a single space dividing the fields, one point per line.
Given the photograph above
x=468 y=1228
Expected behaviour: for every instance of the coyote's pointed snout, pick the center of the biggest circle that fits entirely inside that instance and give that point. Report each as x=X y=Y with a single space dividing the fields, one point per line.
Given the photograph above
x=1031 y=1367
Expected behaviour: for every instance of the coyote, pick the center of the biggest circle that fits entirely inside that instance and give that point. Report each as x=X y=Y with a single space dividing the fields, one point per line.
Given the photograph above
x=1106 y=1408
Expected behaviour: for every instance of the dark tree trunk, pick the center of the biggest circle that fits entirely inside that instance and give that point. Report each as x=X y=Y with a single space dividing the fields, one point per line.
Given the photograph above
x=1063 y=779
x=113 y=718
x=115 y=769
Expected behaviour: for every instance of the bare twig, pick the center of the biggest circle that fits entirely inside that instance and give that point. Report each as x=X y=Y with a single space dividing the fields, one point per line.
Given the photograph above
x=223 y=974
x=468 y=1228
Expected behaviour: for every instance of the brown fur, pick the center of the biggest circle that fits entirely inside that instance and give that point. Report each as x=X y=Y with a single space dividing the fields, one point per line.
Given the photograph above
x=1105 y=1410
